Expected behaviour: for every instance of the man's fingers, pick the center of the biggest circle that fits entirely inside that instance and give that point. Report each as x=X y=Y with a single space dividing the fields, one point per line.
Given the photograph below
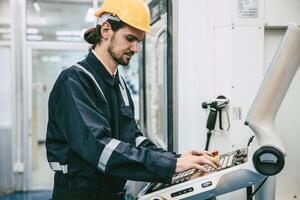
x=208 y=160
x=200 y=152
x=197 y=159
x=201 y=168
x=211 y=163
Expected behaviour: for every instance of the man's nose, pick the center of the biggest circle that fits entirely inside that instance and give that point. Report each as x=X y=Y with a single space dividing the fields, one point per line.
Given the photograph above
x=135 y=46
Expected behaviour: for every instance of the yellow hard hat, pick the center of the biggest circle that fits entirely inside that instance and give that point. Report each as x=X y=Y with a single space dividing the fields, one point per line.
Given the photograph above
x=133 y=12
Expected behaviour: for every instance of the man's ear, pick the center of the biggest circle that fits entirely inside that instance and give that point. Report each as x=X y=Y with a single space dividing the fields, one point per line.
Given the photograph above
x=106 y=30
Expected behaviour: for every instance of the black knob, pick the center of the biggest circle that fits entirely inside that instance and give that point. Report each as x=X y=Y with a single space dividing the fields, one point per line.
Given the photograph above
x=204 y=105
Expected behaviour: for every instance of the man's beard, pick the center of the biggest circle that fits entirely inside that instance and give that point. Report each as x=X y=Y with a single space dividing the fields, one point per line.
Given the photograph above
x=119 y=59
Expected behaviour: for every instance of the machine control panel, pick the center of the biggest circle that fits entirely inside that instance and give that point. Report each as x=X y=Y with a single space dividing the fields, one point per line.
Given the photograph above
x=227 y=160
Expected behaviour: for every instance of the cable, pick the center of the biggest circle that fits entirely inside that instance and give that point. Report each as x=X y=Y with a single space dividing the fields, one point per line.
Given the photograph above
x=249 y=193
x=250 y=140
x=262 y=183
x=249 y=188
x=228 y=120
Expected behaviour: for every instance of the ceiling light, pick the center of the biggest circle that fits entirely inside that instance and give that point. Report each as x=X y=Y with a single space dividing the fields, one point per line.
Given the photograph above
x=32 y=31
x=90 y=17
x=37 y=7
x=5 y=30
x=6 y=36
x=51 y=59
x=34 y=37
x=69 y=39
x=68 y=33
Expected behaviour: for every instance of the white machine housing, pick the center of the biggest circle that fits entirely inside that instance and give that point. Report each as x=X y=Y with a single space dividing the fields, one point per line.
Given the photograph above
x=261 y=120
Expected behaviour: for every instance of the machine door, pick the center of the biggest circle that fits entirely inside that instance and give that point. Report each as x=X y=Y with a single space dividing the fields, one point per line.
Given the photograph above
x=158 y=77
x=46 y=64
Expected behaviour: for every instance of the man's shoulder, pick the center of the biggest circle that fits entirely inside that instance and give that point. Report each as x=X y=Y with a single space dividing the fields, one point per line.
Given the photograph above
x=66 y=73
x=72 y=72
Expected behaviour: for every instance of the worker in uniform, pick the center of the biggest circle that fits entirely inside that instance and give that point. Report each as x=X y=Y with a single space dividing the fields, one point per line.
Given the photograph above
x=93 y=142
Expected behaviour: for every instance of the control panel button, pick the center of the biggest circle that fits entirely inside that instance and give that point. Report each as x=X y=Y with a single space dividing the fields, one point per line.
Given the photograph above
x=175 y=194
x=206 y=184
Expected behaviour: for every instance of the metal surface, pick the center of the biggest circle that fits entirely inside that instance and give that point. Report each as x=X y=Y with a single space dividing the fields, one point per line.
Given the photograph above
x=280 y=74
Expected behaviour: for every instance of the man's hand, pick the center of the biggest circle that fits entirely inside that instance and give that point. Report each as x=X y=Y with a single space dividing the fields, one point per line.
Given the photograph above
x=196 y=159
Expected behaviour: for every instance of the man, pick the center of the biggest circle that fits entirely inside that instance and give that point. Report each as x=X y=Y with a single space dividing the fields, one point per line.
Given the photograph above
x=93 y=143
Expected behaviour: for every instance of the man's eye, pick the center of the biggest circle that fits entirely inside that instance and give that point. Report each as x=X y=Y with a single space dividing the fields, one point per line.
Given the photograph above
x=130 y=39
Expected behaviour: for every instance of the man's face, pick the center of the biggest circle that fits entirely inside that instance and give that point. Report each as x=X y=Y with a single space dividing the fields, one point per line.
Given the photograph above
x=124 y=44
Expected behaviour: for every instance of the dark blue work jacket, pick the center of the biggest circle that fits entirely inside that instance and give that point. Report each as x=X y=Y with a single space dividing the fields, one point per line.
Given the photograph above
x=92 y=138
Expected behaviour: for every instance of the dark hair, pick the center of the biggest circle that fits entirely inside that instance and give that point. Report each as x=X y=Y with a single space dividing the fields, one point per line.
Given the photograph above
x=93 y=35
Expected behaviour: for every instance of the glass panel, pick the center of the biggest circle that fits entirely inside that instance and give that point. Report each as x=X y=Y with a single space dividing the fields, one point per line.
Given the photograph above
x=49 y=20
x=156 y=76
x=130 y=74
x=5 y=31
x=46 y=66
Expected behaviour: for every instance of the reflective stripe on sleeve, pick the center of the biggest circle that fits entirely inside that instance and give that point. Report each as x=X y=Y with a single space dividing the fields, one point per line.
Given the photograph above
x=106 y=153
x=55 y=166
x=139 y=140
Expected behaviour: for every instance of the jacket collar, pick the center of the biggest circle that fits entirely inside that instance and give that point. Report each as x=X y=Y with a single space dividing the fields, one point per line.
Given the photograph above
x=101 y=70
